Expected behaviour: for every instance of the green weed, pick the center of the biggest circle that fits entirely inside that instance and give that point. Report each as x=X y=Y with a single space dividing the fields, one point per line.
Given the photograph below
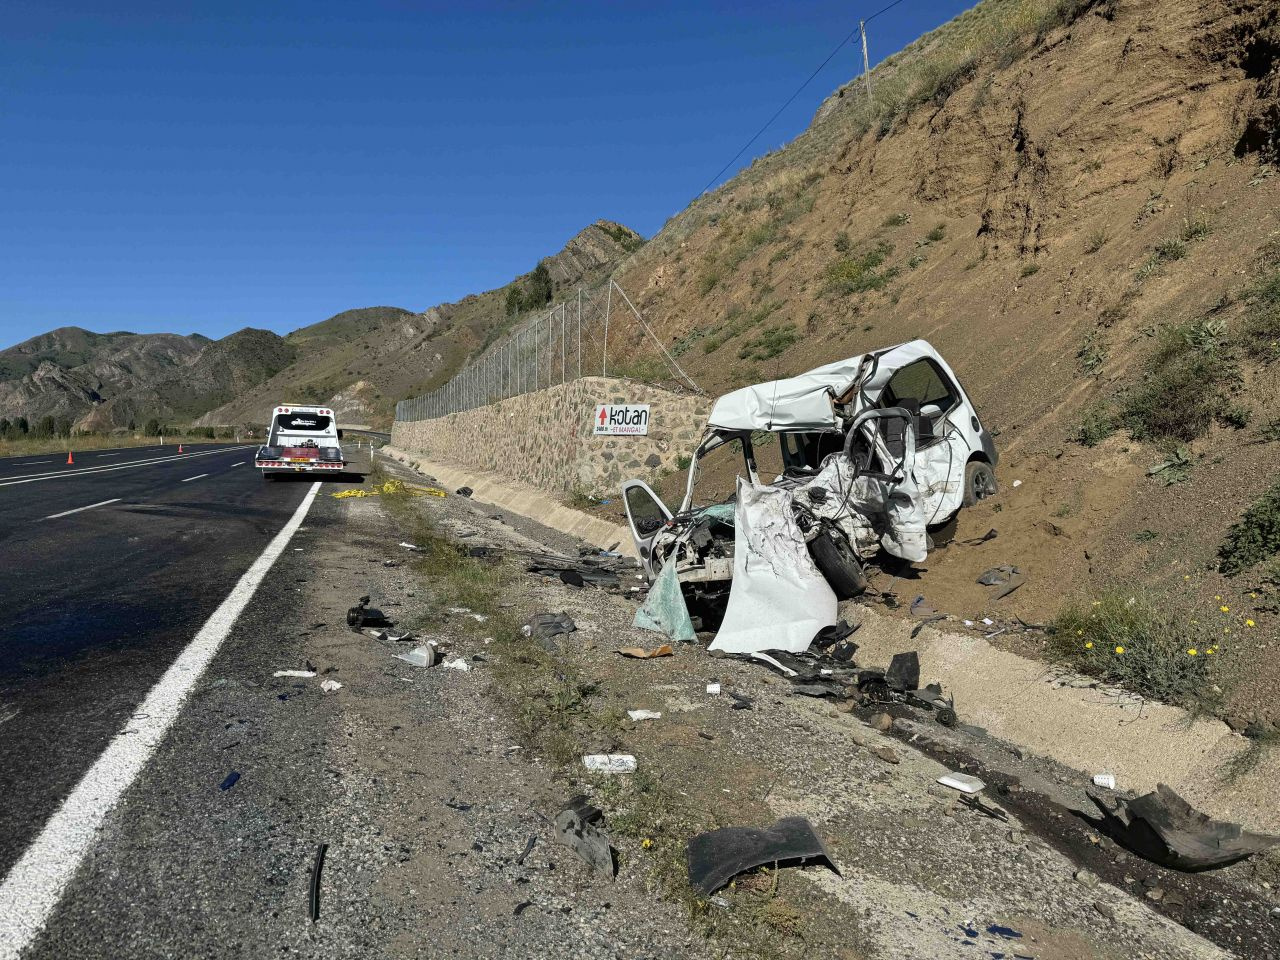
x=860 y=273
x=1143 y=644
x=1255 y=537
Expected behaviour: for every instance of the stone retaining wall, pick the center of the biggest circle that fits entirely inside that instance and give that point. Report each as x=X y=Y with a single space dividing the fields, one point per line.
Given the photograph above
x=544 y=439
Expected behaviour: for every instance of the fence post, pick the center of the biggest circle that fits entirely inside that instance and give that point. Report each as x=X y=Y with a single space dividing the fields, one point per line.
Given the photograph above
x=608 y=306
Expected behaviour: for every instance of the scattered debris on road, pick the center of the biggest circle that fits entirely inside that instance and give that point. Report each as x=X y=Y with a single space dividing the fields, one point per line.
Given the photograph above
x=230 y=781
x=578 y=828
x=1163 y=828
x=640 y=653
x=313 y=888
x=610 y=762
x=716 y=857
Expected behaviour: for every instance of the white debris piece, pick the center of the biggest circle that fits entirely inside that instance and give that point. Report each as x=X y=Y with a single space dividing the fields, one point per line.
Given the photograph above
x=1106 y=780
x=1017 y=483
x=638 y=715
x=424 y=656
x=410 y=546
x=294 y=673
x=713 y=689
x=458 y=664
x=331 y=686
x=962 y=782
x=778 y=600
x=610 y=762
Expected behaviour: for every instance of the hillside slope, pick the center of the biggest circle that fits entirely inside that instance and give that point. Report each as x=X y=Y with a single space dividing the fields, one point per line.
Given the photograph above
x=362 y=362
x=223 y=371
x=1074 y=202
x=68 y=371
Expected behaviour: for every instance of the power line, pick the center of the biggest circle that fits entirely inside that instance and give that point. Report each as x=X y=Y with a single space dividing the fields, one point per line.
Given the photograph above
x=798 y=91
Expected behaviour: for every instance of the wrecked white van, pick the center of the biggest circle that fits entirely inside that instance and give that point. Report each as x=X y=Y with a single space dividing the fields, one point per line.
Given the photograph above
x=875 y=451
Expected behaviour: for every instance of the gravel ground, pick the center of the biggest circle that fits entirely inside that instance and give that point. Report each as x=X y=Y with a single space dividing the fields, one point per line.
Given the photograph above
x=921 y=878
x=417 y=782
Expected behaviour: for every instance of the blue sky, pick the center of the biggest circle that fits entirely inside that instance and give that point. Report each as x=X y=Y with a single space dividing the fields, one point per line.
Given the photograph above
x=194 y=167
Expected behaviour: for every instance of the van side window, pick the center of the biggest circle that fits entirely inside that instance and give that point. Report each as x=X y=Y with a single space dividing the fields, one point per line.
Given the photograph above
x=924 y=390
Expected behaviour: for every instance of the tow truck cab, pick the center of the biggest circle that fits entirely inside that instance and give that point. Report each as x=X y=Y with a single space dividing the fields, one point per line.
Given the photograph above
x=301 y=439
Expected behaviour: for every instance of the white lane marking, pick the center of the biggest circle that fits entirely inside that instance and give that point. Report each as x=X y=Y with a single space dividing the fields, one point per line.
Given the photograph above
x=240 y=464
x=116 y=454
x=38 y=880
x=30 y=463
x=131 y=465
x=196 y=477
x=67 y=513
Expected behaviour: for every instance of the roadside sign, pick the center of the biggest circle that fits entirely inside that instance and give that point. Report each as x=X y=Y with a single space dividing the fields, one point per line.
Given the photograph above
x=621 y=419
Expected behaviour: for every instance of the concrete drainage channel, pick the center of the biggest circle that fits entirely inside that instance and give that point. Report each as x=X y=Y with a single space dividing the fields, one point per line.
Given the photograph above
x=1036 y=742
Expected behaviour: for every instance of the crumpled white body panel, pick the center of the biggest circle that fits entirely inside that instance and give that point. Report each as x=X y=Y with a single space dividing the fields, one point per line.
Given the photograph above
x=870 y=512
x=796 y=403
x=779 y=600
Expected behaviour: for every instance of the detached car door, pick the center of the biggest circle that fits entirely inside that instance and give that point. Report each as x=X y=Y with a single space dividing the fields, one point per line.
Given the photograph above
x=647 y=515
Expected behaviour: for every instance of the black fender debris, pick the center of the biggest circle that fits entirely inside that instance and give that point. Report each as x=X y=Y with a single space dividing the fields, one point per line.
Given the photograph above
x=716 y=857
x=1162 y=827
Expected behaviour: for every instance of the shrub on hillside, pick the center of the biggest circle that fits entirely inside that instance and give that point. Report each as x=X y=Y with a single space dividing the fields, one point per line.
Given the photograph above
x=1141 y=644
x=1185 y=388
x=1256 y=537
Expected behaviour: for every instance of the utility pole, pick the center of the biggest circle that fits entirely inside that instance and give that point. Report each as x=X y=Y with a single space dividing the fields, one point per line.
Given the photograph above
x=866 y=61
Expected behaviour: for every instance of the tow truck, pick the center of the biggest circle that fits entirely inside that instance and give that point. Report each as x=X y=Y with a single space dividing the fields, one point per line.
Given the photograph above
x=301 y=439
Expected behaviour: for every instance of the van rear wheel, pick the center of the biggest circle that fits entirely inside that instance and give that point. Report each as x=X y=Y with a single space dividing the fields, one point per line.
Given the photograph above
x=835 y=560
x=979 y=482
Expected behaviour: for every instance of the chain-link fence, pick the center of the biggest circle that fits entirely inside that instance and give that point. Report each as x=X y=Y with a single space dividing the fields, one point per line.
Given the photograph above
x=565 y=342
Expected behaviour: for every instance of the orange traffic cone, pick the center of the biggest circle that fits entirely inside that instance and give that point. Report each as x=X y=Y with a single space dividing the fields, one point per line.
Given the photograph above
x=179 y=448
x=69 y=458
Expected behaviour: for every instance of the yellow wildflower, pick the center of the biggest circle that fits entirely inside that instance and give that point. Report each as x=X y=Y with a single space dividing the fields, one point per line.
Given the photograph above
x=1250 y=623
x=646 y=843
x=1224 y=608
x=1192 y=652
x=1217 y=597
x=1210 y=649
x=1089 y=645
x=1119 y=649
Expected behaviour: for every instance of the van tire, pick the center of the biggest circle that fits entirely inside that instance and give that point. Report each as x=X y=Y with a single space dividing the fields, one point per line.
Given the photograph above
x=835 y=560
x=979 y=483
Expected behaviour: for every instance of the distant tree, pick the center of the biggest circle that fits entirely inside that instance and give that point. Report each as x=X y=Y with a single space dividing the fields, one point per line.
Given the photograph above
x=5 y=426
x=515 y=302
x=45 y=427
x=62 y=427
x=538 y=292
x=22 y=426
x=131 y=425
x=152 y=428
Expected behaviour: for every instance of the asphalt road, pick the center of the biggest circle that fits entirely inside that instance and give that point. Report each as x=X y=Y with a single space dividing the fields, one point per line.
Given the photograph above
x=108 y=568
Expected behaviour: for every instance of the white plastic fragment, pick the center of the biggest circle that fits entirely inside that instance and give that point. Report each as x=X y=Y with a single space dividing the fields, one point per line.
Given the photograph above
x=638 y=715
x=610 y=762
x=479 y=617
x=962 y=782
x=713 y=689
x=423 y=656
x=988 y=621
x=331 y=686
x=458 y=664
x=1017 y=483
x=1106 y=780
x=765 y=658
x=294 y=673
x=459 y=609
x=409 y=546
